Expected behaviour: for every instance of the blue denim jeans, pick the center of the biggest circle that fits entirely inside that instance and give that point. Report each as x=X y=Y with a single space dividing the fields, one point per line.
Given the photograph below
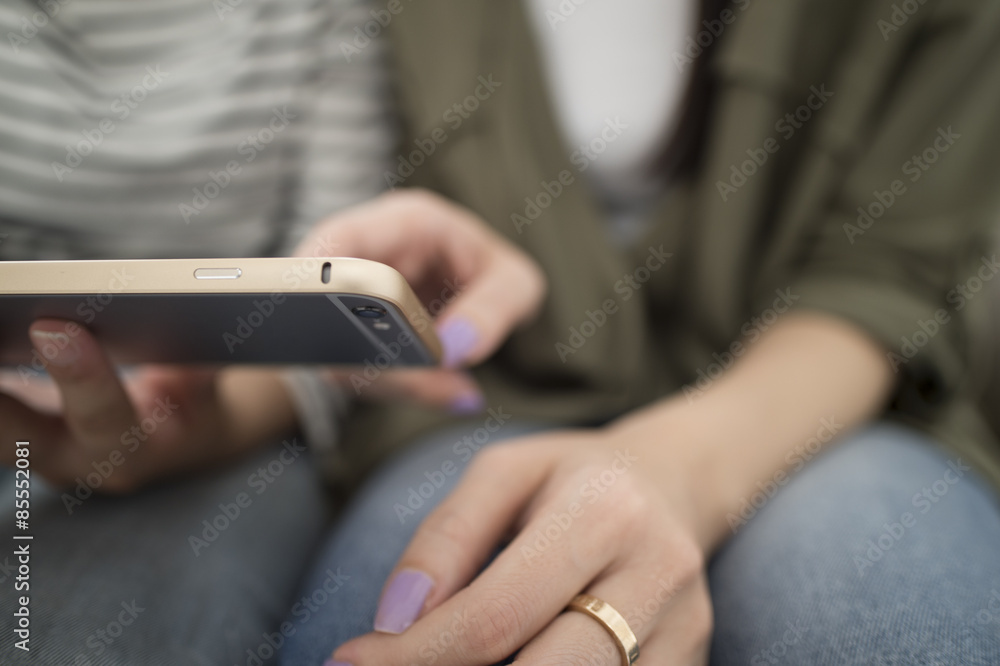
x=883 y=550
x=197 y=572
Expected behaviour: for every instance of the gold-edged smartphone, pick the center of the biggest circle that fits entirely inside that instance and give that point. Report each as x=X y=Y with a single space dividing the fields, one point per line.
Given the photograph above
x=295 y=310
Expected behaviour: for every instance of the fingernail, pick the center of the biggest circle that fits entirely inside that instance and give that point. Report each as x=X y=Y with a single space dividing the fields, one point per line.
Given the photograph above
x=458 y=336
x=402 y=602
x=334 y=662
x=55 y=348
x=468 y=403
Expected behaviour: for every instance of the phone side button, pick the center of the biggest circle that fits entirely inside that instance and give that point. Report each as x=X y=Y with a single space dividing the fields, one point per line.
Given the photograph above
x=218 y=273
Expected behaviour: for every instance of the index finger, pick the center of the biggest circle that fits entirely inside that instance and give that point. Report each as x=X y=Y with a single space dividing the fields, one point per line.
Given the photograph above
x=479 y=283
x=509 y=603
x=96 y=408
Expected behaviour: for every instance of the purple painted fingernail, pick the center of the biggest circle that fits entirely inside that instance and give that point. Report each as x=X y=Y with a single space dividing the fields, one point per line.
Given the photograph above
x=402 y=602
x=458 y=336
x=468 y=403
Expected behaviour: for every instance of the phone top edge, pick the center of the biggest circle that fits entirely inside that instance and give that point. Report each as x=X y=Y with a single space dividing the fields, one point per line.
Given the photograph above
x=263 y=275
x=178 y=276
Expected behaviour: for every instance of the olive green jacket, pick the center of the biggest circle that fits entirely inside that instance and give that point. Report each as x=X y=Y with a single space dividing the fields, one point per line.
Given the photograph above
x=850 y=163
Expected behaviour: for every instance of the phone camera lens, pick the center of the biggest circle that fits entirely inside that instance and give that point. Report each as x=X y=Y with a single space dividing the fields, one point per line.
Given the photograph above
x=369 y=311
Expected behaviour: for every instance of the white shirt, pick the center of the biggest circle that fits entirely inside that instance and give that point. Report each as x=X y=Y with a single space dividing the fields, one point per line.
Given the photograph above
x=614 y=58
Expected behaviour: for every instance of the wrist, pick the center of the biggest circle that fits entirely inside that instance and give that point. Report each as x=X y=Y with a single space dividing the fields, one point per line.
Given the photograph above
x=688 y=448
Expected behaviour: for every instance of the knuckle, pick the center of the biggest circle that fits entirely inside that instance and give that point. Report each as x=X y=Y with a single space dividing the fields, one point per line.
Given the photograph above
x=497 y=459
x=632 y=507
x=688 y=557
x=497 y=628
x=418 y=198
x=448 y=525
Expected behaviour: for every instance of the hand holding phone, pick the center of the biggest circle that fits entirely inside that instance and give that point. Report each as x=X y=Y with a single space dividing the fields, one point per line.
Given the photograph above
x=492 y=287
x=476 y=284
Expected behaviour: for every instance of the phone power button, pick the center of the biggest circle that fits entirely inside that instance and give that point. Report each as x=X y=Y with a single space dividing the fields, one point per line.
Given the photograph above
x=217 y=273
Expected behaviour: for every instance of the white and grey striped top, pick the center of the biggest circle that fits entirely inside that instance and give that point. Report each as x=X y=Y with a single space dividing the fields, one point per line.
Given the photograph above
x=183 y=128
x=188 y=128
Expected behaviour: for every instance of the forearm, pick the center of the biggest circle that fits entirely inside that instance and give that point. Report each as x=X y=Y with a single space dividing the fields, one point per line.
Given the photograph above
x=809 y=375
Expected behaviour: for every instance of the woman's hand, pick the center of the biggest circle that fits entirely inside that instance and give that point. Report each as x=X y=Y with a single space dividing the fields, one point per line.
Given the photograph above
x=477 y=285
x=627 y=513
x=89 y=428
x=589 y=515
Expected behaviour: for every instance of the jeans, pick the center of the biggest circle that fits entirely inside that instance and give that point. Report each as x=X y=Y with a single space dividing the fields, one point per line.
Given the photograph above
x=829 y=570
x=143 y=580
x=883 y=550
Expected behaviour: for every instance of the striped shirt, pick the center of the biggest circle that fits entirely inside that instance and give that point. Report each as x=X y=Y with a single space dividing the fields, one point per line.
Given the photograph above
x=189 y=128
x=184 y=128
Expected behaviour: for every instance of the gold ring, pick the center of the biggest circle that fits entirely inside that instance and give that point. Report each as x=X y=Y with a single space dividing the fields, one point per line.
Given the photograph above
x=612 y=621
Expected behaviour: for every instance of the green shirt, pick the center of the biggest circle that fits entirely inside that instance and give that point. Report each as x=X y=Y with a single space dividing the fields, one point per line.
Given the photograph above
x=848 y=163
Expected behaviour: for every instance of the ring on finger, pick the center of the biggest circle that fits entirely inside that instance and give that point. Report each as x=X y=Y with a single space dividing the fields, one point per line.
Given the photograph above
x=613 y=623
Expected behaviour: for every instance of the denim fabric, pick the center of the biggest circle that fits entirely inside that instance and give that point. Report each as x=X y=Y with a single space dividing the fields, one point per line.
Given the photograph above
x=829 y=570
x=374 y=532
x=826 y=572
x=117 y=583
x=885 y=550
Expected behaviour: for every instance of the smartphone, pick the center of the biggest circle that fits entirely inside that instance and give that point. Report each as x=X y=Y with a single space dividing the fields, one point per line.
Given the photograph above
x=295 y=310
